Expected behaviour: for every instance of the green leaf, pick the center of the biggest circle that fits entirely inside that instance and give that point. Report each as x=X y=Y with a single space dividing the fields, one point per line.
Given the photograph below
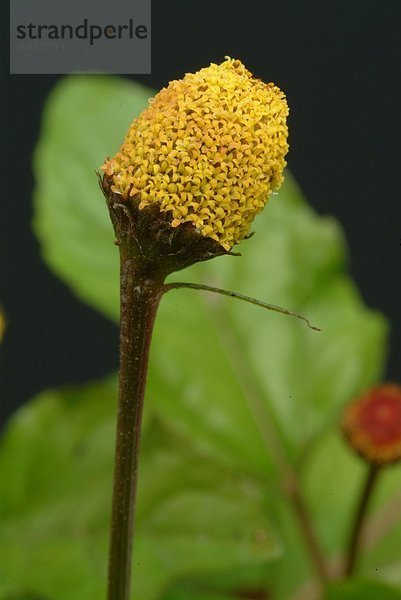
x=252 y=582
x=332 y=478
x=298 y=378
x=245 y=368
x=85 y=120
x=194 y=517
x=23 y=596
x=361 y=590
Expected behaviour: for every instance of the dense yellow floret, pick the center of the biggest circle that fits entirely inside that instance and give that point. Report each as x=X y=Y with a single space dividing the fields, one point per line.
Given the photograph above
x=209 y=148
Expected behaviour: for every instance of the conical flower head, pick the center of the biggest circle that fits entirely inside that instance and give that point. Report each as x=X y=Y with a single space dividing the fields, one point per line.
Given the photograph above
x=372 y=424
x=209 y=150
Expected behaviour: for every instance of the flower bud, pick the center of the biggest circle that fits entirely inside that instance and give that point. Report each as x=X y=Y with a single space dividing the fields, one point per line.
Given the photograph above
x=372 y=424
x=208 y=152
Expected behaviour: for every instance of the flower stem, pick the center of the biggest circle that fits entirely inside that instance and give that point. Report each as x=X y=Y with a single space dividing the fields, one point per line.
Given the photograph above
x=354 y=543
x=140 y=296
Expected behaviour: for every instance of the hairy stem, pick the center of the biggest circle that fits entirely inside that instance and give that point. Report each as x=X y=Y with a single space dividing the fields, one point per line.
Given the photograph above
x=355 y=537
x=140 y=296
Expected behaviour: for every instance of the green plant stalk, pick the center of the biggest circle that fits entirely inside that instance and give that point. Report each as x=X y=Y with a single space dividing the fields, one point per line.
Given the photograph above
x=294 y=493
x=140 y=296
x=355 y=537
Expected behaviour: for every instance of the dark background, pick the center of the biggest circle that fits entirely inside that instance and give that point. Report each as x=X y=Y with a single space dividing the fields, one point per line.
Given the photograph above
x=339 y=64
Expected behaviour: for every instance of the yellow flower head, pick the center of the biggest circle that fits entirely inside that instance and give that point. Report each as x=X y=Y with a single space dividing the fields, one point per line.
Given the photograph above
x=209 y=149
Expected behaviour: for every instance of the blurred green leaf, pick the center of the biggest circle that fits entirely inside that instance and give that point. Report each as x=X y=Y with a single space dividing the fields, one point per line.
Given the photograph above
x=252 y=582
x=85 y=120
x=194 y=517
x=243 y=370
x=361 y=590
x=225 y=376
x=199 y=594
x=288 y=373
x=24 y=596
x=332 y=479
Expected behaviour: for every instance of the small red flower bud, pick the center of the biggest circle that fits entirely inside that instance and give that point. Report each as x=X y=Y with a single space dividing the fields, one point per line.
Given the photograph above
x=372 y=424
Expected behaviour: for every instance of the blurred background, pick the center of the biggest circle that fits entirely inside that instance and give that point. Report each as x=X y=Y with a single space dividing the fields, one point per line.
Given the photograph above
x=339 y=64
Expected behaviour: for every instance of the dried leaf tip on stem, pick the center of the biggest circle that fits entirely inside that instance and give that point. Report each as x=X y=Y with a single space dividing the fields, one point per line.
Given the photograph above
x=238 y=296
